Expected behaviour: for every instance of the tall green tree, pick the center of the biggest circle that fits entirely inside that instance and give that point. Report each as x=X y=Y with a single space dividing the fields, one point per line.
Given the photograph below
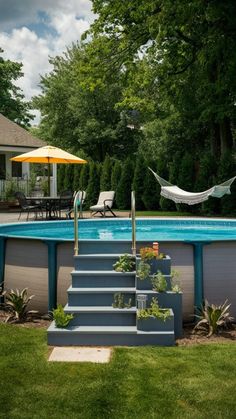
x=105 y=181
x=84 y=177
x=140 y=173
x=123 y=196
x=93 y=188
x=12 y=103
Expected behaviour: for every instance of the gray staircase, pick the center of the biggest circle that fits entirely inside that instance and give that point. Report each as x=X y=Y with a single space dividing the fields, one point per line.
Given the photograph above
x=90 y=299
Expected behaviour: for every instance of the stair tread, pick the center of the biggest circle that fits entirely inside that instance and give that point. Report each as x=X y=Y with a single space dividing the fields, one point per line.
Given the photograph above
x=97 y=329
x=100 y=255
x=100 y=273
x=109 y=290
x=105 y=329
x=98 y=309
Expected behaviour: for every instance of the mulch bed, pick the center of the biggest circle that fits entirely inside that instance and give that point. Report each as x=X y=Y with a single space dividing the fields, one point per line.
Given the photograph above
x=188 y=339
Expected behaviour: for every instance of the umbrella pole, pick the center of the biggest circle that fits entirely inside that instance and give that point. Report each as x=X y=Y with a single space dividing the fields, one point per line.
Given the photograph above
x=49 y=189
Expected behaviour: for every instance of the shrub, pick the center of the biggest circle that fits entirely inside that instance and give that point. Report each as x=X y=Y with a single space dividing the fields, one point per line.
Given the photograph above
x=119 y=301
x=148 y=253
x=140 y=172
x=154 y=311
x=93 y=184
x=60 y=317
x=105 y=181
x=212 y=318
x=17 y=302
x=175 y=283
x=143 y=271
x=126 y=263
x=123 y=196
x=159 y=282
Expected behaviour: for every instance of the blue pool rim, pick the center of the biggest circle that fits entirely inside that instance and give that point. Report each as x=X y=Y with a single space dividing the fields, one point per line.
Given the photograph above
x=160 y=220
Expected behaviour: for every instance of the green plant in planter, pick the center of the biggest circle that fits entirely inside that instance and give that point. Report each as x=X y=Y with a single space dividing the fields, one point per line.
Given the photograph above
x=154 y=311
x=119 y=301
x=61 y=318
x=17 y=302
x=143 y=271
x=148 y=253
x=212 y=318
x=126 y=263
x=159 y=282
x=175 y=282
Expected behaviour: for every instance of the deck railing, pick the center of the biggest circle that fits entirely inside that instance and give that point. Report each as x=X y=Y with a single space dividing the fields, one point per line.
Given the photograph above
x=133 y=219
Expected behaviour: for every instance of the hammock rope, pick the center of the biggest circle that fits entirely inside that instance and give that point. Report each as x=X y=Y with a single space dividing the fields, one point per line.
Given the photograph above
x=178 y=195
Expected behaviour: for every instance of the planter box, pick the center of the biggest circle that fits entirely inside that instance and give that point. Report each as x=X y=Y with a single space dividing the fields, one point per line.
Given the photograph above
x=163 y=265
x=155 y=324
x=172 y=300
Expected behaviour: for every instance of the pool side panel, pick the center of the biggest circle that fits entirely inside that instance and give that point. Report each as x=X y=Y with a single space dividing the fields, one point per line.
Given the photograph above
x=27 y=266
x=219 y=269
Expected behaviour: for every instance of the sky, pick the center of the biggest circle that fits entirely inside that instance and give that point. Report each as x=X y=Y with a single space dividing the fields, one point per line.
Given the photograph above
x=33 y=30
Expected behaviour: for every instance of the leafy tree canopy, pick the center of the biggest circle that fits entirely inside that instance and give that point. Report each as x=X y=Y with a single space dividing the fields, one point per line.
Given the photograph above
x=12 y=103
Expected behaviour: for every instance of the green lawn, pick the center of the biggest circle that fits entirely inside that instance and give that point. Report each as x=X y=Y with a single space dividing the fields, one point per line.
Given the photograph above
x=148 y=382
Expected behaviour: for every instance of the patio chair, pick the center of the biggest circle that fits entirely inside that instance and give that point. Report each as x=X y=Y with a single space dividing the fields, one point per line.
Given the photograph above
x=65 y=203
x=27 y=206
x=104 y=204
x=81 y=199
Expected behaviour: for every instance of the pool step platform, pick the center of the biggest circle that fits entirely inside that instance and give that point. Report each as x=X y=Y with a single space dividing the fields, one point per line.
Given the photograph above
x=91 y=297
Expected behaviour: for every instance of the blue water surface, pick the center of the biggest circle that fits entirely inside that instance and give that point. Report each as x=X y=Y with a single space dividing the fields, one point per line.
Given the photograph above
x=120 y=229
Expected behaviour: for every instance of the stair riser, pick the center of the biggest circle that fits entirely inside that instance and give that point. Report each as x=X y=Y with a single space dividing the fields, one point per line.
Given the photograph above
x=100 y=247
x=96 y=299
x=104 y=282
x=146 y=284
x=104 y=319
x=93 y=264
x=163 y=265
x=85 y=339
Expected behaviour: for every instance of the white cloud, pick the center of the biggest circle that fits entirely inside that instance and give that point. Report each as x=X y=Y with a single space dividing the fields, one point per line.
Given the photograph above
x=68 y=19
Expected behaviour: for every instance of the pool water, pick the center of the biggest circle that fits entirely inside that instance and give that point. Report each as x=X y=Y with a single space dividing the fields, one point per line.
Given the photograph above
x=120 y=229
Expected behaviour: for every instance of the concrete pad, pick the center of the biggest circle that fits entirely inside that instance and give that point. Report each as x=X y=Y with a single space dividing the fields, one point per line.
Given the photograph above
x=80 y=354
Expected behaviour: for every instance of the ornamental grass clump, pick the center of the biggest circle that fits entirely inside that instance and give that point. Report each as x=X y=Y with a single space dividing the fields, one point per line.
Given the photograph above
x=16 y=303
x=213 y=318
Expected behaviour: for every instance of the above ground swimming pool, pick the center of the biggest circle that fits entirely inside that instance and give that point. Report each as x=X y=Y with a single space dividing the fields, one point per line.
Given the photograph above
x=39 y=255
x=120 y=229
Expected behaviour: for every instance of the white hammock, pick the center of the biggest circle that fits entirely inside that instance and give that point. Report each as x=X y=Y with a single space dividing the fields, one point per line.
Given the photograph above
x=180 y=196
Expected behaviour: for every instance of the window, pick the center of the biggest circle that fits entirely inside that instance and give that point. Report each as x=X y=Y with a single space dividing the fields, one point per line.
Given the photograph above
x=2 y=166
x=16 y=169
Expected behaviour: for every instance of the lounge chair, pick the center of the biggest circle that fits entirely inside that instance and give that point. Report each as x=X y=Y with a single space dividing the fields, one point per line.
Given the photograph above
x=104 y=204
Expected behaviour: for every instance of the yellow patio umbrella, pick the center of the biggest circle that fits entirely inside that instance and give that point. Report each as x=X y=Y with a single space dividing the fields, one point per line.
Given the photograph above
x=48 y=154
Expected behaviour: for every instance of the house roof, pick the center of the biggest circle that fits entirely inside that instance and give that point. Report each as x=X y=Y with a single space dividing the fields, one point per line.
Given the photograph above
x=12 y=134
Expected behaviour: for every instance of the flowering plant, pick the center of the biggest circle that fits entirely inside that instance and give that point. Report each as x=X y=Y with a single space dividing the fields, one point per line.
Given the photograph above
x=148 y=253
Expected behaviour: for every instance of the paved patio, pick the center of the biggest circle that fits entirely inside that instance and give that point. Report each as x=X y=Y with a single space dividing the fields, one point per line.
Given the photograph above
x=12 y=217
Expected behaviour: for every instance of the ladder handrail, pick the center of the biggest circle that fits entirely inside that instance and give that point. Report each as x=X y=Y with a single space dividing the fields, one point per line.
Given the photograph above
x=133 y=223
x=76 y=229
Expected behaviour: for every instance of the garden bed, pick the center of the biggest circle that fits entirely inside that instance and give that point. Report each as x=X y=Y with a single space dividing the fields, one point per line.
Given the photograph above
x=188 y=339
